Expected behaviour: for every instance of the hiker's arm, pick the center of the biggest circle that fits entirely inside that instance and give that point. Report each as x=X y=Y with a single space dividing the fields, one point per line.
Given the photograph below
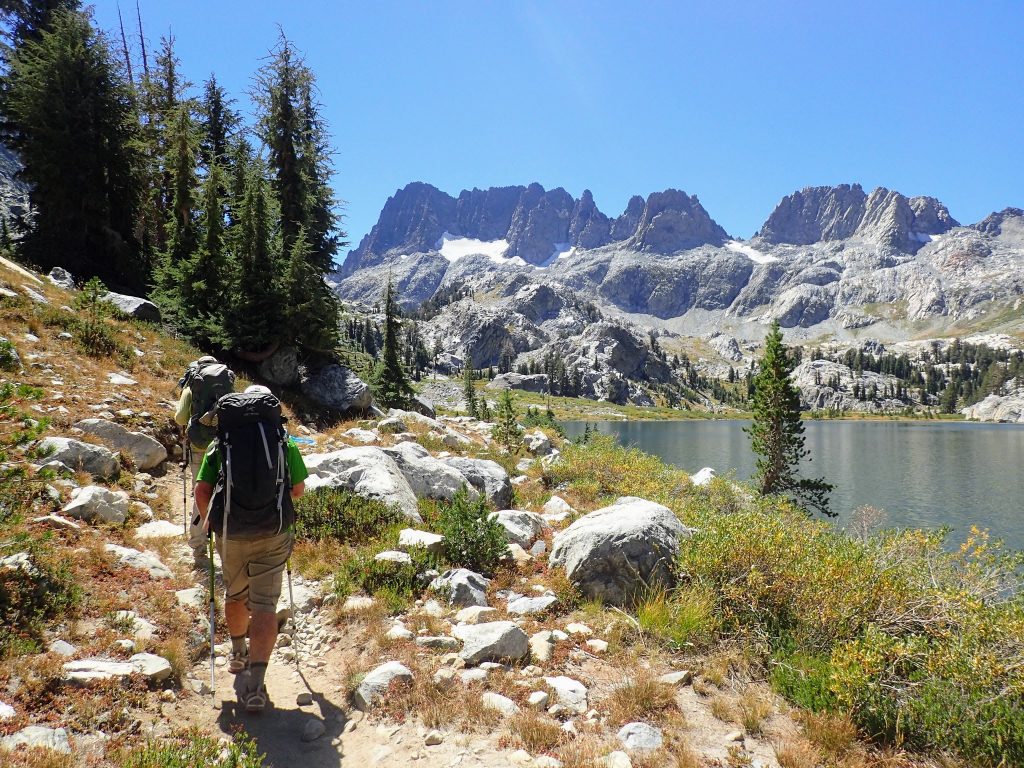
x=298 y=489
x=184 y=409
x=203 y=493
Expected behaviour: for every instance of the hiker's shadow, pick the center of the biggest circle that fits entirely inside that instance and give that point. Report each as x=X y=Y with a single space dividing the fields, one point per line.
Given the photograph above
x=278 y=730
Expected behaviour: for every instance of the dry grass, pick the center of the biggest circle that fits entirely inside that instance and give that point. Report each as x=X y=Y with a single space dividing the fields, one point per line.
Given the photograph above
x=722 y=708
x=641 y=698
x=834 y=735
x=753 y=708
x=724 y=665
x=797 y=753
x=533 y=732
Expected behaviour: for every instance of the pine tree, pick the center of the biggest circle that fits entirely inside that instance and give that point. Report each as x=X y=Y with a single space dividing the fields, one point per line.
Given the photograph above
x=254 y=319
x=506 y=430
x=83 y=183
x=311 y=306
x=777 y=432
x=26 y=19
x=220 y=122
x=203 y=277
x=468 y=390
x=390 y=384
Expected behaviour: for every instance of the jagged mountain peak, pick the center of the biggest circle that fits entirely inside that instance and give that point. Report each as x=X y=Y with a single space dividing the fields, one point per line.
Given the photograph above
x=885 y=217
x=536 y=224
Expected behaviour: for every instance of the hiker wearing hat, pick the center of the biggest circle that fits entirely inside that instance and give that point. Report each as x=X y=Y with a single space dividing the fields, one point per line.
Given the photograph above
x=205 y=381
x=244 y=488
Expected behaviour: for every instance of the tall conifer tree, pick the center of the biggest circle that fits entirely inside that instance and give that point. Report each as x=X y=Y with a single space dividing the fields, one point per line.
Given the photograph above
x=390 y=383
x=69 y=115
x=777 y=432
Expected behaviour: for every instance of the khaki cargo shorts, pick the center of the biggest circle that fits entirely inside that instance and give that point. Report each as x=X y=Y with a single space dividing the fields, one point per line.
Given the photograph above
x=253 y=568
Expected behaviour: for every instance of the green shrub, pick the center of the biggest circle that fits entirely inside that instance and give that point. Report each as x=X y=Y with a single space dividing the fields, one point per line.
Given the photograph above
x=32 y=593
x=337 y=513
x=535 y=417
x=8 y=356
x=395 y=584
x=471 y=539
x=804 y=679
x=194 y=750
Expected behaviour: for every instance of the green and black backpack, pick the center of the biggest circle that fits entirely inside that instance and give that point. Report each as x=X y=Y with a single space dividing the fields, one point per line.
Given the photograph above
x=252 y=498
x=209 y=381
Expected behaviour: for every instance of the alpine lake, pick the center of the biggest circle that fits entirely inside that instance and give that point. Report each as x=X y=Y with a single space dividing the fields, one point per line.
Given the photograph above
x=920 y=474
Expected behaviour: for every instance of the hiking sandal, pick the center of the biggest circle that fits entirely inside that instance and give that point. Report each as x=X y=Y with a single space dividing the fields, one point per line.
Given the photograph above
x=255 y=700
x=238 y=662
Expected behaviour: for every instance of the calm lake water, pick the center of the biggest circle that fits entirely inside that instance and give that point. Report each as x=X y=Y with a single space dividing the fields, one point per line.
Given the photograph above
x=922 y=474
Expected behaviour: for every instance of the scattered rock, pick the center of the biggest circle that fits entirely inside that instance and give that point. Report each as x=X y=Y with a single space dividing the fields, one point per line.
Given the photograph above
x=464 y=587
x=570 y=693
x=556 y=510
x=538 y=700
x=391 y=425
x=492 y=641
x=313 y=729
x=94 y=459
x=37 y=736
x=140 y=628
x=579 y=629
x=94 y=502
x=121 y=380
x=147 y=561
x=56 y=521
x=438 y=643
x=476 y=614
x=734 y=736
x=194 y=597
x=547 y=761
x=503 y=704
x=524 y=606
x=614 y=552
x=366 y=471
x=597 y=646
x=84 y=671
x=433 y=738
x=6 y=711
x=393 y=556
x=134 y=306
x=703 y=477
x=522 y=528
x=409 y=538
x=336 y=387
x=364 y=436
x=399 y=632
x=61 y=278
x=617 y=760
x=537 y=443
x=542 y=646
x=158 y=529
x=486 y=476
x=640 y=736
x=63 y=648
x=143 y=450
x=376 y=683
x=684 y=677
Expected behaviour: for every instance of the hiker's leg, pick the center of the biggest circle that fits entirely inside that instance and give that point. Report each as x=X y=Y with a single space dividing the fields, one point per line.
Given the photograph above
x=266 y=568
x=196 y=534
x=234 y=564
x=237 y=615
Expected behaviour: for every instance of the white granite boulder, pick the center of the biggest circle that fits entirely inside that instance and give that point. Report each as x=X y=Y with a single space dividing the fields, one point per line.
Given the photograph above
x=74 y=454
x=365 y=471
x=462 y=586
x=492 y=641
x=376 y=683
x=428 y=477
x=486 y=476
x=146 y=561
x=95 y=502
x=614 y=553
x=143 y=450
x=522 y=528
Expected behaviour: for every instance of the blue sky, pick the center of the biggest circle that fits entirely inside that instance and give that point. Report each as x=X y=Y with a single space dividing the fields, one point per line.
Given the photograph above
x=739 y=103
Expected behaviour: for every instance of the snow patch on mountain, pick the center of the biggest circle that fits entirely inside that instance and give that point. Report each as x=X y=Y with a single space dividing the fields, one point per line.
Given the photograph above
x=756 y=256
x=454 y=248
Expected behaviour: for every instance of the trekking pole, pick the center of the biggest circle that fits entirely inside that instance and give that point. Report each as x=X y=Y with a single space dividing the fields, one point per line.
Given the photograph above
x=213 y=624
x=184 y=487
x=295 y=622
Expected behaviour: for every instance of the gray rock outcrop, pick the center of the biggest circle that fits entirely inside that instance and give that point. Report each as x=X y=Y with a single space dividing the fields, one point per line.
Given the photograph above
x=462 y=586
x=365 y=471
x=281 y=368
x=614 y=553
x=74 y=454
x=522 y=528
x=1006 y=409
x=336 y=387
x=61 y=278
x=487 y=477
x=376 y=683
x=144 y=451
x=492 y=641
x=134 y=306
x=95 y=502
x=532 y=382
x=428 y=477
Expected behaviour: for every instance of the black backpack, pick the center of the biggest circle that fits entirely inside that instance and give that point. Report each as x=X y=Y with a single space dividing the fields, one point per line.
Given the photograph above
x=252 y=498
x=209 y=380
